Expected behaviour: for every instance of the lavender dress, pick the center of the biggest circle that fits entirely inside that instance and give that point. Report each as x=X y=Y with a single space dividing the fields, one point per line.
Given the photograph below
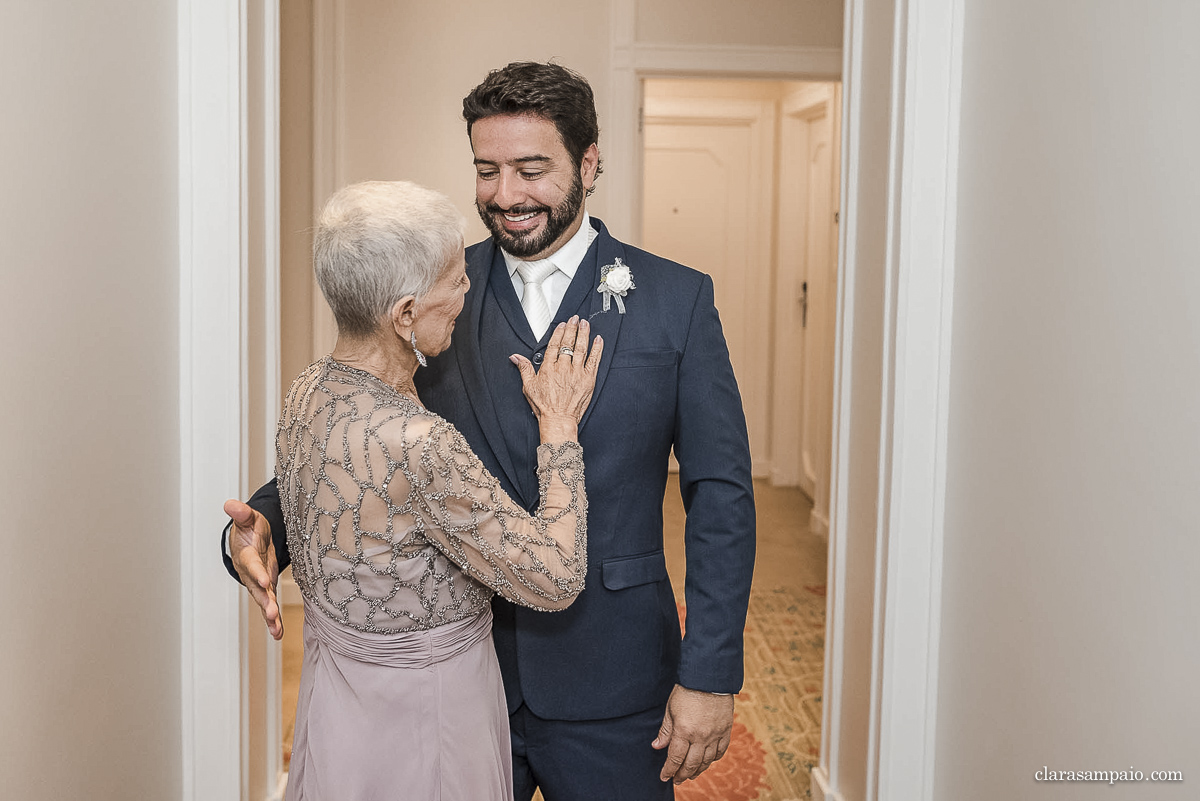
x=399 y=538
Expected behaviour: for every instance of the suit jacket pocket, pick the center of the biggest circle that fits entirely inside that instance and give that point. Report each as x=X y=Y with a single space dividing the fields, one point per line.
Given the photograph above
x=644 y=357
x=630 y=571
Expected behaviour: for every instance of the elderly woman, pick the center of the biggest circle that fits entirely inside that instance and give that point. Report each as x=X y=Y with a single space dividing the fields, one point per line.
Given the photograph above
x=399 y=535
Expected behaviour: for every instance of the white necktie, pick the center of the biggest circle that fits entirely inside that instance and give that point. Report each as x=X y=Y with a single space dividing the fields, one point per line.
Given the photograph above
x=533 y=299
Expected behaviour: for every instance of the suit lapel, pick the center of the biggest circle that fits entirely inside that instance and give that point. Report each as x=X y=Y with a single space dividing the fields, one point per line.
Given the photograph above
x=605 y=251
x=470 y=361
x=607 y=324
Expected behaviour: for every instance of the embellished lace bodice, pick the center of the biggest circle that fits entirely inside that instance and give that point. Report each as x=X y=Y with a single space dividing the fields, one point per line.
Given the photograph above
x=395 y=525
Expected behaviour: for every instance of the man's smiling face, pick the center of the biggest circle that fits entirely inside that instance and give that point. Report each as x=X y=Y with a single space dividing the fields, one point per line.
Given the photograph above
x=528 y=191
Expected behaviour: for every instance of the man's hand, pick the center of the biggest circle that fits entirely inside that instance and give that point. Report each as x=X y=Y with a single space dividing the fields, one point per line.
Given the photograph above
x=695 y=732
x=253 y=556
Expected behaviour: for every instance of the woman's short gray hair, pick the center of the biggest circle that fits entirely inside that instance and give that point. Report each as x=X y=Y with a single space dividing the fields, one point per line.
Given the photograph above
x=378 y=241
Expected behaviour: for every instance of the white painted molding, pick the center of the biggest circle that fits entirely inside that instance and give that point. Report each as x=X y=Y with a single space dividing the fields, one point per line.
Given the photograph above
x=835 y=597
x=920 y=297
x=272 y=357
x=272 y=251
x=821 y=790
x=211 y=265
x=818 y=524
x=798 y=63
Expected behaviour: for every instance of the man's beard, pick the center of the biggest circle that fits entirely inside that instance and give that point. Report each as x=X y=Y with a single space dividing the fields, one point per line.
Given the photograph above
x=526 y=244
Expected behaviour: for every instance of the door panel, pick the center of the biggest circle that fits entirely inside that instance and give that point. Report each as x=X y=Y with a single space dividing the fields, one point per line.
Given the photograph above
x=805 y=307
x=708 y=204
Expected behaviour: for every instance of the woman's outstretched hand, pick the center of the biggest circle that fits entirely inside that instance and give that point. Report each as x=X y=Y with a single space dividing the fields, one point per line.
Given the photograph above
x=561 y=391
x=253 y=555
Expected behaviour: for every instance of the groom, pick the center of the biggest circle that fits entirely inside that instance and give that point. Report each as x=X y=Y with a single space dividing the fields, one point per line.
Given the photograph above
x=596 y=692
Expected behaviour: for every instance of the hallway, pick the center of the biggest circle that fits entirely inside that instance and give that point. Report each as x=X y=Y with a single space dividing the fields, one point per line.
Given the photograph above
x=778 y=713
x=777 y=717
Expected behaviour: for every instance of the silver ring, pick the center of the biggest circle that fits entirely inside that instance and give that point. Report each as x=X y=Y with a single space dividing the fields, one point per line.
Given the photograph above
x=567 y=351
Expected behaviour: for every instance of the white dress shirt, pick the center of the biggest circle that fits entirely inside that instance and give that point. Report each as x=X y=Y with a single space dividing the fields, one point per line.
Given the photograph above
x=567 y=259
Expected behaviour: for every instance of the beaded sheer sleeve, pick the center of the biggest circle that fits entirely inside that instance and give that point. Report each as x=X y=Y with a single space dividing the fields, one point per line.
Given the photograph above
x=395 y=525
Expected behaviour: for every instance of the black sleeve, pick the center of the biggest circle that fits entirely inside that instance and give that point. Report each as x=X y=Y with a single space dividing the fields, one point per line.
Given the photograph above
x=266 y=502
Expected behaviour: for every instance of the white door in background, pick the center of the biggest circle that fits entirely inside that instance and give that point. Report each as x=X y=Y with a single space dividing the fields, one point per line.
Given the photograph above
x=805 y=303
x=707 y=203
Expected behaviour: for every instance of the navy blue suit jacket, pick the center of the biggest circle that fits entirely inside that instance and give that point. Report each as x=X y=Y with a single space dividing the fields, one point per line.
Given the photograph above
x=665 y=381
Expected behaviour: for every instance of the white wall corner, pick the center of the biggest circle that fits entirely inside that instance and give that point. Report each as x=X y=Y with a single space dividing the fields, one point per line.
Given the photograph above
x=211 y=389
x=826 y=775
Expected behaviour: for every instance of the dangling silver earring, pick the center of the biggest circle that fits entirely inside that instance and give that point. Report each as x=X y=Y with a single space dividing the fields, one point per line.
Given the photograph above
x=412 y=338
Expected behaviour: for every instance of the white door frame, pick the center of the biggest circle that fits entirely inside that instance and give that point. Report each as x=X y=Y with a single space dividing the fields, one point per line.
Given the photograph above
x=224 y=211
x=917 y=278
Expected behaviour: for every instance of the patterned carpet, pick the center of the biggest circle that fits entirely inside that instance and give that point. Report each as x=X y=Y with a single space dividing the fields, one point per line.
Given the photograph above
x=777 y=719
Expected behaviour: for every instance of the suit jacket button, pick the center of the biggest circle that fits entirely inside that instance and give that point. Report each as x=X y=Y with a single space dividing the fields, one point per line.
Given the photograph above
x=537 y=357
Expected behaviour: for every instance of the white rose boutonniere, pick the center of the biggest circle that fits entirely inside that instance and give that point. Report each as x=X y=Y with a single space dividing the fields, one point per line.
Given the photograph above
x=615 y=282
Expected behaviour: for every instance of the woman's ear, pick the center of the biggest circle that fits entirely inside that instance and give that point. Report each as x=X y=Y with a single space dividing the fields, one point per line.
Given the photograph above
x=403 y=316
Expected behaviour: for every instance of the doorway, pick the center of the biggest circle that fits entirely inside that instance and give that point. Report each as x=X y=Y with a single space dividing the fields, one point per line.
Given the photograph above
x=897 y=241
x=739 y=181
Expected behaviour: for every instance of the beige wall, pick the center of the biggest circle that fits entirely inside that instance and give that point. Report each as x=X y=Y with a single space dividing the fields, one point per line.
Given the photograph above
x=409 y=65
x=295 y=188
x=1072 y=556
x=89 y=666
x=781 y=23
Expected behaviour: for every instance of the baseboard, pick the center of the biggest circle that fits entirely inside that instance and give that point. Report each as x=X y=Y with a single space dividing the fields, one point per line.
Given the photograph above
x=277 y=795
x=818 y=524
x=821 y=791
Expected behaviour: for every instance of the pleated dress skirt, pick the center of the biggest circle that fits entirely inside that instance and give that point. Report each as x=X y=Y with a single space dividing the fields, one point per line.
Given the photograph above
x=416 y=716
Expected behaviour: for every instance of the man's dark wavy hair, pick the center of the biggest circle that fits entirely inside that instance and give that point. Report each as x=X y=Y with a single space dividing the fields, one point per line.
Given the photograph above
x=550 y=91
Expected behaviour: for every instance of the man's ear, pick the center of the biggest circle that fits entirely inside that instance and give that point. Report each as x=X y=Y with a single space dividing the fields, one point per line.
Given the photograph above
x=588 y=165
x=403 y=316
